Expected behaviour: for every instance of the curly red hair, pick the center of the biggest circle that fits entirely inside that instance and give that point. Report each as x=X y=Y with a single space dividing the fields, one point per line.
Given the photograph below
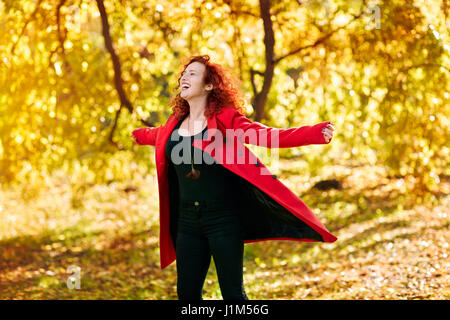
x=225 y=93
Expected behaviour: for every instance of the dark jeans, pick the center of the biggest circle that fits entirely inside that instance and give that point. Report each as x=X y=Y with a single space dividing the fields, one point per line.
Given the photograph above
x=209 y=228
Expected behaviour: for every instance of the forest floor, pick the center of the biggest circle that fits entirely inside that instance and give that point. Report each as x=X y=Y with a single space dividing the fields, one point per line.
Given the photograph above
x=391 y=243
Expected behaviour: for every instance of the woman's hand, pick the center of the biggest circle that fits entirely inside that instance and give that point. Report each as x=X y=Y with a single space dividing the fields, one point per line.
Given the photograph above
x=328 y=132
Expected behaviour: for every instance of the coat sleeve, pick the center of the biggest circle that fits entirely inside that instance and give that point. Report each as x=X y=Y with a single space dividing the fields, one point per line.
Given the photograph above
x=145 y=136
x=255 y=133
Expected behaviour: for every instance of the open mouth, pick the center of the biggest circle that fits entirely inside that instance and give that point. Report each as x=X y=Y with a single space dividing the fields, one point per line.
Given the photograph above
x=185 y=86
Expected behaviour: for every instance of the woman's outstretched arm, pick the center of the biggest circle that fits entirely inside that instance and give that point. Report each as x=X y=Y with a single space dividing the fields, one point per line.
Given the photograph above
x=252 y=132
x=145 y=136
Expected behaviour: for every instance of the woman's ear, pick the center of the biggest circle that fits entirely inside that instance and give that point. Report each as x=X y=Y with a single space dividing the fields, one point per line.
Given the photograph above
x=209 y=87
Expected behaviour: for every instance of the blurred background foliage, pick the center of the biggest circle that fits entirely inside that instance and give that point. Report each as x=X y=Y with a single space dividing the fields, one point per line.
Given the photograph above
x=77 y=76
x=73 y=88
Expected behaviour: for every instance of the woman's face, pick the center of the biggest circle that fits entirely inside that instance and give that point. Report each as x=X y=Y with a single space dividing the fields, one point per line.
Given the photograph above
x=193 y=77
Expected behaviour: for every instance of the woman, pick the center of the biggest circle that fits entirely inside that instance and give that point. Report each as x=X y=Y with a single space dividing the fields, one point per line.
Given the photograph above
x=210 y=205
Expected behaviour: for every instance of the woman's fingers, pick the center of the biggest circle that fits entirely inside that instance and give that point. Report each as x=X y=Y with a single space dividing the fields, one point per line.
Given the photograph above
x=327 y=133
x=328 y=128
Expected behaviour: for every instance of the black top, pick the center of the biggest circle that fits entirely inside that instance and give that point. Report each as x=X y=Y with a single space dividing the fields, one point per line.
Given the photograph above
x=215 y=181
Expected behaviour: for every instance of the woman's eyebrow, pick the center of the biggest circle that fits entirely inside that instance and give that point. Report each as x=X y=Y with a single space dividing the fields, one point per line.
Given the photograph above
x=189 y=71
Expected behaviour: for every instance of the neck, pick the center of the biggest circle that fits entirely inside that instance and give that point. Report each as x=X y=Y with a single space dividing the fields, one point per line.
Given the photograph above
x=197 y=107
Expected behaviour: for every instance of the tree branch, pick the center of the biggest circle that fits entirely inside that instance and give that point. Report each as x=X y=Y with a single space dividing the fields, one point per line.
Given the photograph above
x=320 y=40
x=118 y=82
x=31 y=17
x=61 y=38
x=269 y=44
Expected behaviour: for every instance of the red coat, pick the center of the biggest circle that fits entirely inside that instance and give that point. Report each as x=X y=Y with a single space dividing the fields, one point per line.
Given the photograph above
x=271 y=211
